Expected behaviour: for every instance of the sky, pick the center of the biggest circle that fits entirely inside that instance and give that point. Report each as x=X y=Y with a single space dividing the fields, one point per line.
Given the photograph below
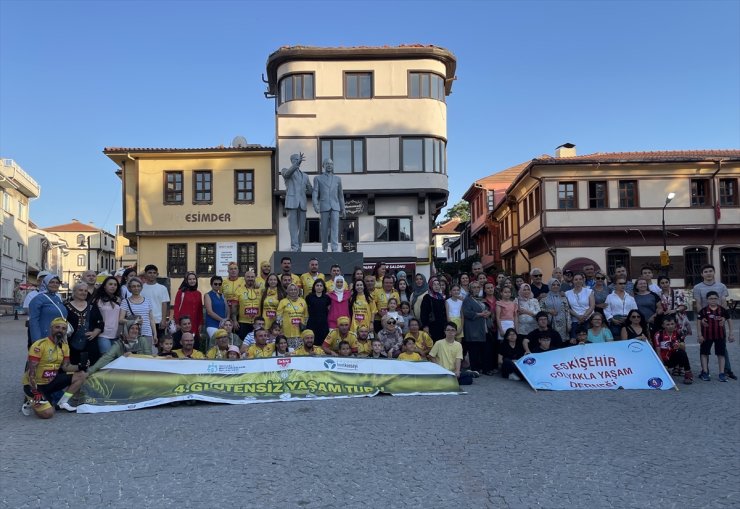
x=76 y=77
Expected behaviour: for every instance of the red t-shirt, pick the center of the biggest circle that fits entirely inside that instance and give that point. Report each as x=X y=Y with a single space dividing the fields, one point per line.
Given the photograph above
x=666 y=343
x=715 y=327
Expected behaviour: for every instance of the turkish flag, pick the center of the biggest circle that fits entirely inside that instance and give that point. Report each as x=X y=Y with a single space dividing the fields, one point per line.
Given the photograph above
x=717 y=211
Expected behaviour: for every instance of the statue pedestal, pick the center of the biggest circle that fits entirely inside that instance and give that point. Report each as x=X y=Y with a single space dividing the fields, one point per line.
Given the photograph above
x=348 y=261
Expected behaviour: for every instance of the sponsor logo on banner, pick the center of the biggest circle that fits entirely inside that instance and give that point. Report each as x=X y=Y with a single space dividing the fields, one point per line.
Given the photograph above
x=283 y=361
x=330 y=364
x=530 y=361
x=655 y=383
x=340 y=365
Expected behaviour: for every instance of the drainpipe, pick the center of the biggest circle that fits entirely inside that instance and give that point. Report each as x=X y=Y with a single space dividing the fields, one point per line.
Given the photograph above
x=716 y=220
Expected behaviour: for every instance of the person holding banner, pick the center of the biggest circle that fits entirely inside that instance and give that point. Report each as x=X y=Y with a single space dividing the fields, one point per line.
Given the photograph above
x=510 y=350
x=131 y=341
x=636 y=326
x=543 y=330
x=581 y=301
x=188 y=351
x=341 y=333
x=670 y=346
x=308 y=349
x=221 y=349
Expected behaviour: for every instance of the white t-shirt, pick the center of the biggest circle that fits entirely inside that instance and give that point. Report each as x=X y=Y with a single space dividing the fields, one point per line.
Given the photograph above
x=157 y=294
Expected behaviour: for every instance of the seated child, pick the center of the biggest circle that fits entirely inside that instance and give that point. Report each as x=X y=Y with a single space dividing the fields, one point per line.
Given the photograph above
x=233 y=354
x=409 y=351
x=165 y=348
x=670 y=347
x=377 y=350
x=345 y=350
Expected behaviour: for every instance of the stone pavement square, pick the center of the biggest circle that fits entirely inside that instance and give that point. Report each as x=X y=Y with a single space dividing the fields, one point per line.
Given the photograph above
x=501 y=445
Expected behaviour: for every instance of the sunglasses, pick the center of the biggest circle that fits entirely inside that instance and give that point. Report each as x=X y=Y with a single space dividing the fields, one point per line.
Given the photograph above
x=536 y=275
x=597 y=277
x=391 y=322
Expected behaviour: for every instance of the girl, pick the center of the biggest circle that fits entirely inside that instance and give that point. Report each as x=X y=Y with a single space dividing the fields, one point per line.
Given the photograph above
x=281 y=346
x=379 y=272
x=358 y=274
x=393 y=311
x=318 y=310
x=165 y=348
x=361 y=306
x=506 y=311
x=453 y=305
x=404 y=290
x=597 y=333
x=274 y=293
x=528 y=307
x=233 y=354
x=107 y=300
x=405 y=314
x=510 y=350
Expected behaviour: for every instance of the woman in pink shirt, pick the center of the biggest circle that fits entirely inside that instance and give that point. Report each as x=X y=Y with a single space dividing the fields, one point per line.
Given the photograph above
x=339 y=301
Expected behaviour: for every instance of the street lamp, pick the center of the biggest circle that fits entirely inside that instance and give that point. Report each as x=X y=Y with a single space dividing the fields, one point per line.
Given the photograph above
x=664 y=260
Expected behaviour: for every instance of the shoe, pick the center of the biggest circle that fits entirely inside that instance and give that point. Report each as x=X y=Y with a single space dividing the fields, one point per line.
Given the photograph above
x=681 y=372
x=705 y=376
x=722 y=377
x=731 y=375
x=676 y=371
x=688 y=378
x=66 y=406
x=515 y=377
x=474 y=374
x=26 y=408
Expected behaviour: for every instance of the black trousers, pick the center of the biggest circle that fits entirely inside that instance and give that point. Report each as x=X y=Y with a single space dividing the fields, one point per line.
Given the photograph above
x=508 y=367
x=679 y=358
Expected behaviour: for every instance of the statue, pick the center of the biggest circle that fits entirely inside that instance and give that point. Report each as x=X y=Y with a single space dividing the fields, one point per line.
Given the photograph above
x=328 y=201
x=297 y=186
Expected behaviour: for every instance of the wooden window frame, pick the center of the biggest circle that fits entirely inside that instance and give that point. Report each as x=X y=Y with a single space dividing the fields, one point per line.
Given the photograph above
x=731 y=280
x=575 y=195
x=171 y=257
x=723 y=195
x=199 y=266
x=174 y=173
x=704 y=199
x=592 y=198
x=694 y=277
x=236 y=186
x=209 y=190
x=243 y=267
x=636 y=196
x=359 y=74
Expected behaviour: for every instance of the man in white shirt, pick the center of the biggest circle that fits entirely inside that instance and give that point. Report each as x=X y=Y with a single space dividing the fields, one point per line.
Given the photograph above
x=159 y=296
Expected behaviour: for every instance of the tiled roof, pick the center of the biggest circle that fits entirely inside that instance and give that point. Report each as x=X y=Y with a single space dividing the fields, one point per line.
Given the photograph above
x=74 y=226
x=500 y=180
x=448 y=228
x=654 y=156
x=220 y=148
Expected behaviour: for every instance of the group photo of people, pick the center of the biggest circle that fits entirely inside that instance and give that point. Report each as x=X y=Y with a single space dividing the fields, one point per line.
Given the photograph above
x=472 y=324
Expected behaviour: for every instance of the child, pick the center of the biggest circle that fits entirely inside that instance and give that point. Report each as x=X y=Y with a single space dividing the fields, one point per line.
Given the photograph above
x=409 y=353
x=405 y=313
x=345 y=350
x=165 y=348
x=281 y=347
x=276 y=330
x=506 y=310
x=393 y=311
x=712 y=321
x=453 y=305
x=510 y=350
x=670 y=347
x=233 y=353
x=581 y=335
x=377 y=350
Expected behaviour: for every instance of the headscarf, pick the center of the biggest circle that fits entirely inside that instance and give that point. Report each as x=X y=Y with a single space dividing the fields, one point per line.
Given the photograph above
x=59 y=321
x=307 y=332
x=185 y=286
x=43 y=287
x=432 y=293
x=337 y=292
x=129 y=344
x=401 y=275
x=418 y=290
x=553 y=300
x=519 y=293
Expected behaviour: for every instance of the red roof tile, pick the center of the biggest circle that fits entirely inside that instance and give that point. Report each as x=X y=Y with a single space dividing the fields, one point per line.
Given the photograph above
x=653 y=156
x=74 y=226
x=220 y=148
x=448 y=228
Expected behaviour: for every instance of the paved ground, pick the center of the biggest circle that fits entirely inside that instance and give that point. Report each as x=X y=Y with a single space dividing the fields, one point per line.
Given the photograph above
x=502 y=445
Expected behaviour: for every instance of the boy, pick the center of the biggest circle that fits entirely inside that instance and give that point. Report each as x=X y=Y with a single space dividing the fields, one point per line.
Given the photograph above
x=448 y=353
x=377 y=350
x=670 y=347
x=345 y=350
x=712 y=321
x=409 y=351
x=700 y=292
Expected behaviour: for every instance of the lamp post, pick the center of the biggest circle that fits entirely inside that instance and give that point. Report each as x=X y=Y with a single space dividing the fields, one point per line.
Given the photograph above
x=664 y=260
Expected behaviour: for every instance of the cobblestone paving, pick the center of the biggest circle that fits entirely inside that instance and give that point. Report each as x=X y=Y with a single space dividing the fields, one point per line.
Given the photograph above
x=501 y=445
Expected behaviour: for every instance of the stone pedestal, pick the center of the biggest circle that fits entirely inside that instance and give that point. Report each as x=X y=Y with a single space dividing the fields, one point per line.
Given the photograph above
x=348 y=261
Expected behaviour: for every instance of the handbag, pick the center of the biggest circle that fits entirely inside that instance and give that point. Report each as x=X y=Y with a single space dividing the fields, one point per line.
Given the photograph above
x=70 y=329
x=130 y=316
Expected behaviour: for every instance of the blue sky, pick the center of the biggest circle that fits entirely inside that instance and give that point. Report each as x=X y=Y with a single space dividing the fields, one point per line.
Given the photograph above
x=608 y=76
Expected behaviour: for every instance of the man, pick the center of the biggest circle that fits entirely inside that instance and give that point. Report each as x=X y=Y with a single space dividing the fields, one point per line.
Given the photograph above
x=250 y=304
x=265 y=270
x=232 y=288
x=187 y=351
x=539 y=289
x=620 y=272
x=364 y=344
x=185 y=325
x=370 y=283
x=567 y=283
x=710 y=284
x=89 y=277
x=310 y=277
x=158 y=296
x=328 y=200
x=308 y=349
x=335 y=271
x=297 y=186
x=590 y=272
x=49 y=371
x=647 y=273
x=260 y=348
x=618 y=305
x=259 y=324
x=221 y=348
x=27 y=303
x=131 y=342
x=381 y=296
x=286 y=267
x=341 y=333
x=543 y=331
x=447 y=352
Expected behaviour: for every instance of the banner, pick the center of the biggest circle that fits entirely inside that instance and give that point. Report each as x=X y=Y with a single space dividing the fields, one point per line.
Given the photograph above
x=129 y=383
x=628 y=364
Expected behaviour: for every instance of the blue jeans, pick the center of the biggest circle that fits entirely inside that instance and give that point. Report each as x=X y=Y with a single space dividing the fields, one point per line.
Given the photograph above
x=104 y=344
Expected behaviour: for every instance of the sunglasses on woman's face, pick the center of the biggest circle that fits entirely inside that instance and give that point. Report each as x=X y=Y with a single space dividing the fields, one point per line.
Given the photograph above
x=391 y=322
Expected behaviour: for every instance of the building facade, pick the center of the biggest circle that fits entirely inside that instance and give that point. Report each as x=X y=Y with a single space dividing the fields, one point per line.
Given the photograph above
x=607 y=208
x=17 y=189
x=381 y=115
x=444 y=234
x=125 y=254
x=191 y=209
x=47 y=251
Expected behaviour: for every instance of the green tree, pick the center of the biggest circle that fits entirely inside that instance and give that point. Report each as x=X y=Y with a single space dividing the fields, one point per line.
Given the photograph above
x=461 y=210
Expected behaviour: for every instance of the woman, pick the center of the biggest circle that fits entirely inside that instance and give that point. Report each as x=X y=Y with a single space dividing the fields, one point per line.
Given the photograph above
x=489 y=299
x=107 y=301
x=597 y=332
x=87 y=323
x=581 y=302
x=601 y=292
x=292 y=314
x=528 y=307
x=379 y=273
x=216 y=308
x=518 y=282
x=46 y=306
x=361 y=306
x=618 y=304
x=423 y=341
x=475 y=315
x=647 y=303
x=137 y=309
x=358 y=274
x=432 y=311
x=391 y=337
x=189 y=301
x=404 y=290
x=339 y=301
x=464 y=285
x=511 y=350
x=444 y=286
x=421 y=287
x=123 y=284
x=318 y=311
x=635 y=327
x=556 y=305
x=673 y=303
x=129 y=342
x=228 y=326
x=274 y=293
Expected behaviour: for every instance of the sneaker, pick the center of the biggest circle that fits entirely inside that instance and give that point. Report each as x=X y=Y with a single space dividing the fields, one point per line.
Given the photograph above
x=26 y=408
x=705 y=376
x=731 y=375
x=722 y=377
x=676 y=371
x=66 y=406
x=688 y=378
x=514 y=377
x=474 y=374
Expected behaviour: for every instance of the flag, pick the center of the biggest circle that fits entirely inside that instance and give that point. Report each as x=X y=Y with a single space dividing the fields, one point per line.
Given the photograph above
x=717 y=211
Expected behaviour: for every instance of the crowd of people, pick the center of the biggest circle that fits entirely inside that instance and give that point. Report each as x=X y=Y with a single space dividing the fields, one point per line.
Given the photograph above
x=471 y=324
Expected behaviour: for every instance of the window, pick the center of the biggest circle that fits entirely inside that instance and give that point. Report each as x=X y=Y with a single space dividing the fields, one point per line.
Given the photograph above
x=6 y=202
x=699 y=192
x=6 y=246
x=598 y=195
x=21 y=251
x=393 y=229
x=567 y=195
x=21 y=210
x=173 y=188
x=423 y=154
x=489 y=200
x=246 y=253
x=358 y=85
x=730 y=265
x=348 y=154
x=312 y=233
x=628 y=194
x=296 y=87
x=205 y=259
x=80 y=240
x=728 y=192
x=203 y=186
x=426 y=85
x=531 y=204
x=616 y=257
x=694 y=258
x=81 y=260
x=243 y=186
x=177 y=259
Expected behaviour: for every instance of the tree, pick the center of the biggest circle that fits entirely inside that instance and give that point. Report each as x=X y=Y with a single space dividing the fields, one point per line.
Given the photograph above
x=460 y=210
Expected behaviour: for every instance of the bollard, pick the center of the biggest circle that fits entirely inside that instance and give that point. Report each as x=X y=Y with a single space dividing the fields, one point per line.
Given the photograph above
x=15 y=315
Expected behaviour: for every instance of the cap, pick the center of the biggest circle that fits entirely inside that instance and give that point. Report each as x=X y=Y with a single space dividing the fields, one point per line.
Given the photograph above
x=220 y=333
x=306 y=333
x=234 y=348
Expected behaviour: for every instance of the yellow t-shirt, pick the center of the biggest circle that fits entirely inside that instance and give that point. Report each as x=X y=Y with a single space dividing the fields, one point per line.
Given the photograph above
x=256 y=352
x=232 y=289
x=295 y=279
x=301 y=351
x=213 y=353
x=413 y=356
x=362 y=313
x=270 y=307
x=49 y=357
x=447 y=353
x=259 y=282
x=294 y=314
x=307 y=281
x=364 y=348
x=381 y=300
x=250 y=301
x=423 y=342
x=197 y=354
x=334 y=338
